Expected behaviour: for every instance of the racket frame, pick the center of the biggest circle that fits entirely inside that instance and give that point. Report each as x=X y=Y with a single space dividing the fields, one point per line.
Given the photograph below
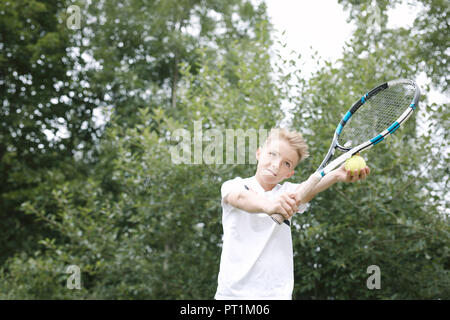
x=349 y=152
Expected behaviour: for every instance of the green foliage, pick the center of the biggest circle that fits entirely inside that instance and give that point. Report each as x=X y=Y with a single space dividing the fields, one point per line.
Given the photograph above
x=421 y=48
x=140 y=57
x=141 y=227
x=38 y=98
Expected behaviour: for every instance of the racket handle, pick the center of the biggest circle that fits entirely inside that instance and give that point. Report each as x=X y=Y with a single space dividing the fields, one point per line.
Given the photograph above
x=304 y=192
x=278 y=218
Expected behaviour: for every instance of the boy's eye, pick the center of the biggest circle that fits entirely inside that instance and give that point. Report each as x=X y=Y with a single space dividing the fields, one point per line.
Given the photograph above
x=288 y=164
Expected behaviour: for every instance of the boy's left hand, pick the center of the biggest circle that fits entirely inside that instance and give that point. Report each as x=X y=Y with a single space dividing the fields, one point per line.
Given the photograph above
x=344 y=175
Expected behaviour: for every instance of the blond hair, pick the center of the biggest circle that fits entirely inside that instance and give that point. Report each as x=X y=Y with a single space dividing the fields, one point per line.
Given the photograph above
x=293 y=138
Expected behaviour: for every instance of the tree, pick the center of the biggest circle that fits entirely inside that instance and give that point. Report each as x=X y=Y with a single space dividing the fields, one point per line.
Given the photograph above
x=424 y=46
x=140 y=57
x=55 y=79
x=46 y=114
x=141 y=226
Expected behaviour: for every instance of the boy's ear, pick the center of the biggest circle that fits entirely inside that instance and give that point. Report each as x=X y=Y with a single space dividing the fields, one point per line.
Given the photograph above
x=258 y=152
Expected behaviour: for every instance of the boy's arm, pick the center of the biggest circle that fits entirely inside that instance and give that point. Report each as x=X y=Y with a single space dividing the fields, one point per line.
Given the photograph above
x=337 y=175
x=247 y=200
x=325 y=183
x=252 y=202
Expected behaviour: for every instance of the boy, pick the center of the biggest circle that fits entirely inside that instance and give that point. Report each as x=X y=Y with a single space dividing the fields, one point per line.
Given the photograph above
x=257 y=254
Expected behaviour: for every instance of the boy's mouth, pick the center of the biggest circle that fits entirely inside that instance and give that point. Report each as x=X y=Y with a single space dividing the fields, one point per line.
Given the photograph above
x=271 y=172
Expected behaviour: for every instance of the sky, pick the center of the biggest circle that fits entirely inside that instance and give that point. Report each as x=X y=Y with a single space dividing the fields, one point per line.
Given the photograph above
x=319 y=24
x=322 y=25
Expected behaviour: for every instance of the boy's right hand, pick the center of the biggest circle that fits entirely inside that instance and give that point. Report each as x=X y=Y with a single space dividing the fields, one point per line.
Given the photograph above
x=285 y=205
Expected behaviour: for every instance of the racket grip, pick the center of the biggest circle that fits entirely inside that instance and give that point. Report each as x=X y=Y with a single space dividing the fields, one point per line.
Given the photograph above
x=304 y=192
x=278 y=218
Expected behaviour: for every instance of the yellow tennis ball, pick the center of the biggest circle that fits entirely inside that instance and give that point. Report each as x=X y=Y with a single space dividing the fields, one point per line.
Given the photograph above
x=355 y=163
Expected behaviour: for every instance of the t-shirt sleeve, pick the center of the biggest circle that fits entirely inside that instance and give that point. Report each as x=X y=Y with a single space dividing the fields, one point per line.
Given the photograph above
x=231 y=185
x=291 y=187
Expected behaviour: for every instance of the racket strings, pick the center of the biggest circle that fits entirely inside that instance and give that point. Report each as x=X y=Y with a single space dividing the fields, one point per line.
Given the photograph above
x=377 y=114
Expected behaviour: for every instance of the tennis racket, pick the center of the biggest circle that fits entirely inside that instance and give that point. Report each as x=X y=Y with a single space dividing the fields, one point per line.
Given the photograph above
x=370 y=120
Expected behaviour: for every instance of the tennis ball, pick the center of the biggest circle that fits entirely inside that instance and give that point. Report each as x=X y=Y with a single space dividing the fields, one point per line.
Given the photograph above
x=355 y=163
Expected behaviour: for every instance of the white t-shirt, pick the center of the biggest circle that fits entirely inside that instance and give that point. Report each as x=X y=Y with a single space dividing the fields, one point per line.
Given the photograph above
x=257 y=257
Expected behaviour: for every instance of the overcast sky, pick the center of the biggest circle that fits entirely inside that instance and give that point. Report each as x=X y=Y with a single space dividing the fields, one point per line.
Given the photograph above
x=318 y=24
x=322 y=25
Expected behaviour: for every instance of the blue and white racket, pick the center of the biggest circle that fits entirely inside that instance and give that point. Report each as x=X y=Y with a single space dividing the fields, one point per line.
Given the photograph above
x=370 y=120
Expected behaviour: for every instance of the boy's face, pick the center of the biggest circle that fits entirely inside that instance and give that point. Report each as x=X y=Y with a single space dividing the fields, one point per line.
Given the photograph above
x=276 y=161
